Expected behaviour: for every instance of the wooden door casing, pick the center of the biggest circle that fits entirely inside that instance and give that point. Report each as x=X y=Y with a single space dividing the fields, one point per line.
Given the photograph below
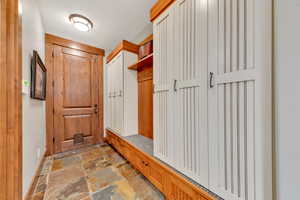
x=76 y=98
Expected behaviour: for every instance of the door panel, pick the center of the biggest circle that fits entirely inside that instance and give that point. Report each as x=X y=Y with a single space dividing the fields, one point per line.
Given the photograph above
x=77 y=68
x=240 y=145
x=115 y=78
x=118 y=65
x=163 y=86
x=77 y=124
x=76 y=98
x=191 y=89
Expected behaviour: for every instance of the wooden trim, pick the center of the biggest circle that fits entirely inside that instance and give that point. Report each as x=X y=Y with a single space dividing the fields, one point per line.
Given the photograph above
x=123 y=45
x=147 y=61
x=49 y=52
x=35 y=179
x=169 y=173
x=10 y=101
x=52 y=39
x=146 y=40
x=159 y=7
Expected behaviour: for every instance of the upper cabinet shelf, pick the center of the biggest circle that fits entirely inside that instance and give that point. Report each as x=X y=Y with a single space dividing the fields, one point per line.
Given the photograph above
x=147 y=61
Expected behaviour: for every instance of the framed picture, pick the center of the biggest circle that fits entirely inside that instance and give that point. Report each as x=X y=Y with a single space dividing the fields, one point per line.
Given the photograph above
x=38 y=77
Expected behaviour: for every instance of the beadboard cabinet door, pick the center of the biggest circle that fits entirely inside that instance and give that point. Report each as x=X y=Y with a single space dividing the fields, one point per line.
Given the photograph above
x=163 y=79
x=190 y=97
x=122 y=95
x=118 y=80
x=240 y=99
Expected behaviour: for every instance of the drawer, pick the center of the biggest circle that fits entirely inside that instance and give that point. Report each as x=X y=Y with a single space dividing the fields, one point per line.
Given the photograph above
x=139 y=162
x=156 y=174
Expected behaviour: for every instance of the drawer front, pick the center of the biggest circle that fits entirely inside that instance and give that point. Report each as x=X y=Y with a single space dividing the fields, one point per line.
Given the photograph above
x=140 y=163
x=124 y=150
x=178 y=190
x=156 y=174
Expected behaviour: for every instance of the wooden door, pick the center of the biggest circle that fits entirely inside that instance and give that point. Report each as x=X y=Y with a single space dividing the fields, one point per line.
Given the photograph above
x=76 y=97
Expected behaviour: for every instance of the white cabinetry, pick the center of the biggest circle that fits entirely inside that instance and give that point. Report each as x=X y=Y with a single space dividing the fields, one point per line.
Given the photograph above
x=122 y=95
x=212 y=94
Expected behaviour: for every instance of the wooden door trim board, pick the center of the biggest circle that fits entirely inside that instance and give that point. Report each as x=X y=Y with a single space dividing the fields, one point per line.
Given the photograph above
x=49 y=53
x=49 y=63
x=123 y=45
x=52 y=39
x=10 y=101
x=115 y=139
x=159 y=7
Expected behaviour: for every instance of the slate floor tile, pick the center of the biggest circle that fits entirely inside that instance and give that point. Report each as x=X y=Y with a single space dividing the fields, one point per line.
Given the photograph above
x=93 y=173
x=102 y=178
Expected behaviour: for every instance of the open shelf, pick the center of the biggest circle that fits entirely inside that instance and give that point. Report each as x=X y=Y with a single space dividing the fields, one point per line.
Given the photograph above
x=148 y=60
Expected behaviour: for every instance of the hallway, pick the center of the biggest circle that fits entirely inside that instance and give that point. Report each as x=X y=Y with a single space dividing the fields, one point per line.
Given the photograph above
x=92 y=173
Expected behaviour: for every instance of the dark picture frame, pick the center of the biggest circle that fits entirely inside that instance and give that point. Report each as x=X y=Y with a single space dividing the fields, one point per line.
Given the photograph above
x=38 y=77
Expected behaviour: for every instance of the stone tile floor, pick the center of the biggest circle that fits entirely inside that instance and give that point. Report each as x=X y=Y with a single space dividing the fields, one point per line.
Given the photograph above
x=92 y=173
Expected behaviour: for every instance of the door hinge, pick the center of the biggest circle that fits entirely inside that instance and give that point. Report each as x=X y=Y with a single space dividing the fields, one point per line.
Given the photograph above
x=53 y=140
x=52 y=53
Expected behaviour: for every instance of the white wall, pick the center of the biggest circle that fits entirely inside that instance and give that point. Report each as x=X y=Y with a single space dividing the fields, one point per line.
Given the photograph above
x=143 y=33
x=287 y=91
x=33 y=110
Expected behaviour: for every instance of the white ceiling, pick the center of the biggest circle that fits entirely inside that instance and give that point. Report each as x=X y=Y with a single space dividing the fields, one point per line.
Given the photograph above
x=114 y=20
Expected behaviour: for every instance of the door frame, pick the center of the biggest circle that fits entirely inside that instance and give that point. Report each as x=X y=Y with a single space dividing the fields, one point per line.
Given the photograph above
x=50 y=42
x=10 y=100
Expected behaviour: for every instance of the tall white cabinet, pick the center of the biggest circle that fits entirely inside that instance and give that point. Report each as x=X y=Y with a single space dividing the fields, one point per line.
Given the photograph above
x=212 y=94
x=180 y=89
x=122 y=95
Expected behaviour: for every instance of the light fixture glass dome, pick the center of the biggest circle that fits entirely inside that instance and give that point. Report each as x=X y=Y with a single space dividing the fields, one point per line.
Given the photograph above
x=81 y=23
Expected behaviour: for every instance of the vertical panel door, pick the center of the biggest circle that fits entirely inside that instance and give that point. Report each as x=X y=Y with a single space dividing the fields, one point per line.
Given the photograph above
x=110 y=95
x=191 y=89
x=163 y=85
x=118 y=81
x=76 y=97
x=240 y=105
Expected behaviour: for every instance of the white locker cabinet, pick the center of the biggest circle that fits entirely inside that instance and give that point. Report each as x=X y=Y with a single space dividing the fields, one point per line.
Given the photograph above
x=180 y=99
x=191 y=89
x=212 y=94
x=122 y=95
x=163 y=135
x=240 y=99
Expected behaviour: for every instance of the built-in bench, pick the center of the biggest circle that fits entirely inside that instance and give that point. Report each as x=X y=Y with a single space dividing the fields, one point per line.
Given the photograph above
x=138 y=150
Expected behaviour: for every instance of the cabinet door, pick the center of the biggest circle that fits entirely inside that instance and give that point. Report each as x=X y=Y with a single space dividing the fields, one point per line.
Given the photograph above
x=118 y=64
x=110 y=94
x=163 y=85
x=239 y=98
x=190 y=113
x=108 y=112
x=114 y=95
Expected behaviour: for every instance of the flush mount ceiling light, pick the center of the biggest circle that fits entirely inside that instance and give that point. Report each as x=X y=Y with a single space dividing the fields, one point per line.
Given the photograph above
x=81 y=23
